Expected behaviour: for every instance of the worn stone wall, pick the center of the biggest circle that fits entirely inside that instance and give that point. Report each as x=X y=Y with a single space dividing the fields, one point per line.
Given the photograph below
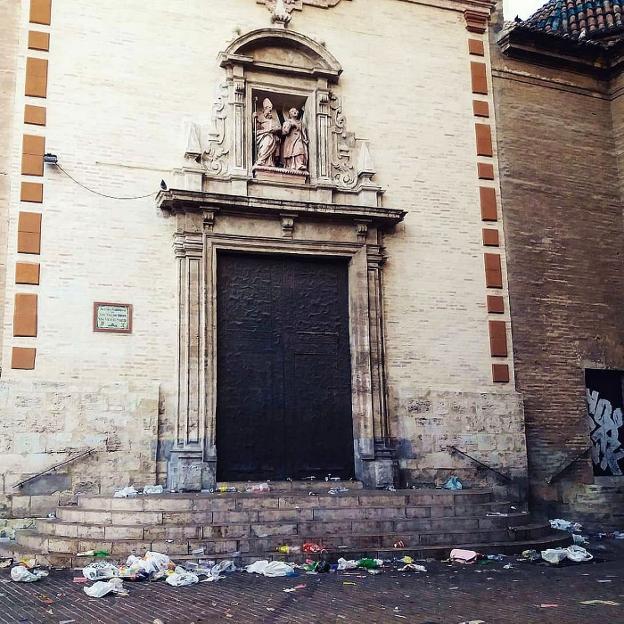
x=10 y=13
x=54 y=421
x=117 y=127
x=563 y=226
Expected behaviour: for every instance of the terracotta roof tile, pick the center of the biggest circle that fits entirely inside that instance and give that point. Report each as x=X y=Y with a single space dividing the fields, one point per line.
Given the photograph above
x=584 y=19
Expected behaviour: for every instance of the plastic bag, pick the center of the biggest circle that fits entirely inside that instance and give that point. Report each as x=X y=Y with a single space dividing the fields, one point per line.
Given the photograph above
x=181 y=578
x=270 y=569
x=566 y=525
x=258 y=488
x=151 y=562
x=369 y=564
x=453 y=483
x=125 y=492
x=578 y=554
x=153 y=489
x=21 y=574
x=100 y=571
x=412 y=567
x=219 y=569
x=343 y=564
x=555 y=555
x=102 y=588
x=461 y=555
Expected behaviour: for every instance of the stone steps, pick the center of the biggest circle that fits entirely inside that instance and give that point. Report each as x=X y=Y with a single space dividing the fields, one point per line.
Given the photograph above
x=252 y=526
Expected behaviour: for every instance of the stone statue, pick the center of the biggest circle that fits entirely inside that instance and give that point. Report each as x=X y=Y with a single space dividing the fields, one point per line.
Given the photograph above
x=295 y=146
x=267 y=130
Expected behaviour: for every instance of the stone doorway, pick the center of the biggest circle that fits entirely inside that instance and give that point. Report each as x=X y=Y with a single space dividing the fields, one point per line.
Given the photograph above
x=283 y=368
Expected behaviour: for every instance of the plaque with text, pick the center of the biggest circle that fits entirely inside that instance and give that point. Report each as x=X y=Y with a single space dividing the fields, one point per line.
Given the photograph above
x=112 y=317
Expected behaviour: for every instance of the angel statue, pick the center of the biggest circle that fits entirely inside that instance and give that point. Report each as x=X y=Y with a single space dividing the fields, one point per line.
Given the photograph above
x=295 y=146
x=267 y=130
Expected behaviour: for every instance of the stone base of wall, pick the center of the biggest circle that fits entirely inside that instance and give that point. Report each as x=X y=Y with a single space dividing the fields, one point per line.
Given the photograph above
x=487 y=426
x=46 y=423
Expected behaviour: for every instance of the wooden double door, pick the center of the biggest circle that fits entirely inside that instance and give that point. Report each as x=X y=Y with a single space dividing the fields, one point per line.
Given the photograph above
x=283 y=368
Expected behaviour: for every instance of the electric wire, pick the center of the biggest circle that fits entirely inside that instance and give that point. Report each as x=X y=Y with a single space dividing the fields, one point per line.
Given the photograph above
x=102 y=194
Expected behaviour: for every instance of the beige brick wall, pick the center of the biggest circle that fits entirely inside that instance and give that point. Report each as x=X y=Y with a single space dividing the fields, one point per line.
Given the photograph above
x=9 y=18
x=119 y=92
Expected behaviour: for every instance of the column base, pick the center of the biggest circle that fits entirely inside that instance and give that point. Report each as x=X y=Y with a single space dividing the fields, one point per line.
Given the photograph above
x=187 y=471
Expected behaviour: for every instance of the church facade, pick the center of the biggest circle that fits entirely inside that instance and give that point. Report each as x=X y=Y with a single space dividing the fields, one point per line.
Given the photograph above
x=251 y=240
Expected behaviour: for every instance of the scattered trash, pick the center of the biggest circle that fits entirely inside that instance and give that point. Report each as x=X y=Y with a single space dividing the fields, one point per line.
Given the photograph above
x=348 y=583
x=287 y=550
x=412 y=567
x=80 y=580
x=198 y=551
x=508 y=567
x=579 y=540
x=566 y=525
x=369 y=564
x=21 y=574
x=289 y=590
x=610 y=603
x=399 y=544
x=311 y=547
x=577 y=554
x=548 y=606
x=531 y=555
x=258 y=488
x=103 y=588
x=216 y=572
x=453 y=483
x=340 y=490
x=343 y=564
x=100 y=571
x=181 y=578
x=153 y=489
x=495 y=557
x=226 y=489
x=126 y=492
x=93 y=553
x=5 y=563
x=459 y=555
x=604 y=581
x=270 y=569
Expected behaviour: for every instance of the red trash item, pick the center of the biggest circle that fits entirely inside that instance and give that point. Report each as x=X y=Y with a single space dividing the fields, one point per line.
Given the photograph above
x=310 y=547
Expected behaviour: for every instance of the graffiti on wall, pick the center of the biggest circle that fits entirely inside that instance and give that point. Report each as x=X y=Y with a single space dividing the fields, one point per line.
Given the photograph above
x=605 y=407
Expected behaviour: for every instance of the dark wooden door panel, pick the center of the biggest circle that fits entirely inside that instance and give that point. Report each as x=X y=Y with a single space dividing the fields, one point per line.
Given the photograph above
x=284 y=379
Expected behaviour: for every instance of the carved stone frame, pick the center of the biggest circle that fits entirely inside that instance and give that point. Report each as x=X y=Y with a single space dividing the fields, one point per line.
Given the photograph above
x=194 y=458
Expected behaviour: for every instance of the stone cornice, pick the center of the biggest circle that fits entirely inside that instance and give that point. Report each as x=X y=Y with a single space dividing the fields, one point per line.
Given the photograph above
x=177 y=201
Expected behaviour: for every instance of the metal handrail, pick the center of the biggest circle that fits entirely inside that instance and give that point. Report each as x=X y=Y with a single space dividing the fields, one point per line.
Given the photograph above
x=454 y=449
x=559 y=472
x=53 y=468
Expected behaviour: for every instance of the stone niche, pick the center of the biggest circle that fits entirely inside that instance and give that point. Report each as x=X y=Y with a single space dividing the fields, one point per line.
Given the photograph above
x=326 y=204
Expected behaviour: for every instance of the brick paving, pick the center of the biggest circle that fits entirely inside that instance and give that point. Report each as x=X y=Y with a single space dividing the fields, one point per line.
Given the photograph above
x=447 y=594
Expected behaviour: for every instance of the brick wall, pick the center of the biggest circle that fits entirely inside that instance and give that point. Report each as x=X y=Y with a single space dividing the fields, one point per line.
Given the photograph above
x=563 y=226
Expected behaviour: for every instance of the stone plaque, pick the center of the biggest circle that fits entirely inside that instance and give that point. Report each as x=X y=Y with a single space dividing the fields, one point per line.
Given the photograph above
x=112 y=317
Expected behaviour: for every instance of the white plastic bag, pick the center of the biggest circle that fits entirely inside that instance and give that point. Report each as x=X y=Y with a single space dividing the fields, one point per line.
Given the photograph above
x=554 y=555
x=125 y=492
x=100 y=571
x=578 y=554
x=151 y=562
x=21 y=574
x=258 y=488
x=102 y=588
x=343 y=564
x=153 y=489
x=566 y=525
x=453 y=483
x=270 y=569
x=181 y=578
x=461 y=555
x=221 y=567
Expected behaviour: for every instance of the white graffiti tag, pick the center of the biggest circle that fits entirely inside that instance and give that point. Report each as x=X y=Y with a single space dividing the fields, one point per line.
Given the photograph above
x=606 y=450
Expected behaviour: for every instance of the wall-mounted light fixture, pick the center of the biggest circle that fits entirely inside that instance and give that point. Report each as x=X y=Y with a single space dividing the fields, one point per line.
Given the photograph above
x=51 y=159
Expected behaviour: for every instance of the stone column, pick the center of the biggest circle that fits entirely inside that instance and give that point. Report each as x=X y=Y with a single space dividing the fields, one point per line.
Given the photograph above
x=187 y=469
x=385 y=462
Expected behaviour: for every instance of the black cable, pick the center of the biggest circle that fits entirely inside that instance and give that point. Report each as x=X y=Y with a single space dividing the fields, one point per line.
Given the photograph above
x=102 y=194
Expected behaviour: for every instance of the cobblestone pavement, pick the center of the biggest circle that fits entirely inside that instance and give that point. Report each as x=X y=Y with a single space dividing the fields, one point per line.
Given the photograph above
x=445 y=595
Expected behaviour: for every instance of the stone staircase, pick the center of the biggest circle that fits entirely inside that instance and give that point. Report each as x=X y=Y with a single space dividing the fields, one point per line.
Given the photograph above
x=251 y=526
